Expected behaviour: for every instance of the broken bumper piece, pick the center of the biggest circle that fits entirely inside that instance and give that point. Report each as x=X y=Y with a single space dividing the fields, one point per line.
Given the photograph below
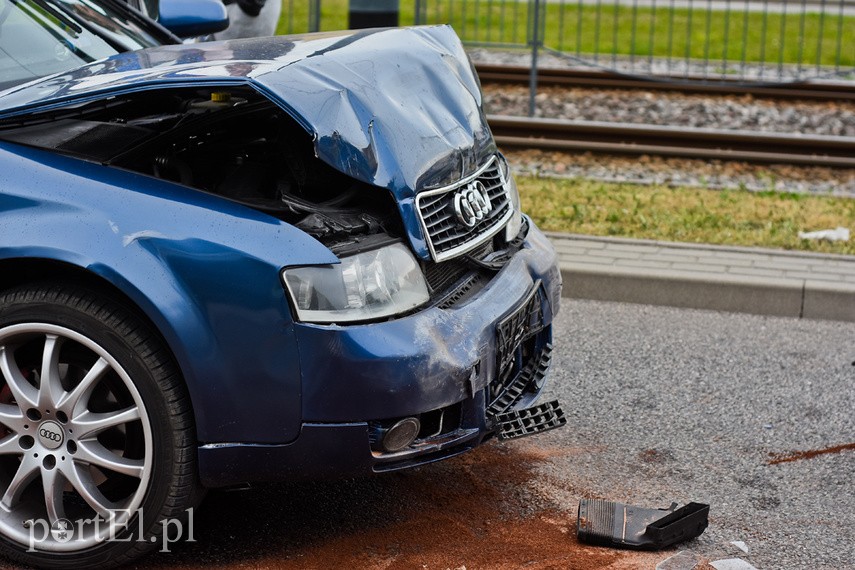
x=529 y=421
x=605 y=523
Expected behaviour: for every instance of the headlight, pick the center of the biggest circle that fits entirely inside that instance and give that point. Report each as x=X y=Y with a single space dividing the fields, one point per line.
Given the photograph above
x=512 y=230
x=369 y=285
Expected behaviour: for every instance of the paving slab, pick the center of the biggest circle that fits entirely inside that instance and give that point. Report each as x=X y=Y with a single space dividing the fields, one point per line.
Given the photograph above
x=700 y=276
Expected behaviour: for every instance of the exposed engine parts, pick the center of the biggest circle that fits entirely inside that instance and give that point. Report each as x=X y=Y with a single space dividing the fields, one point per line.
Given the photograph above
x=232 y=143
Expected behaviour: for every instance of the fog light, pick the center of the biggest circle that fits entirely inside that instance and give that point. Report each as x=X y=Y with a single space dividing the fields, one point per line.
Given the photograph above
x=401 y=434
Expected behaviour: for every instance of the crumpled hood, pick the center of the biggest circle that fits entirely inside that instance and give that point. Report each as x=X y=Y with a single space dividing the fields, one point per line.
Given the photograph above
x=397 y=108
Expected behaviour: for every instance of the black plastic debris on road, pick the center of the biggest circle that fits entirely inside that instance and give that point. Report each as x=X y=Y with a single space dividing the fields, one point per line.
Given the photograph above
x=605 y=523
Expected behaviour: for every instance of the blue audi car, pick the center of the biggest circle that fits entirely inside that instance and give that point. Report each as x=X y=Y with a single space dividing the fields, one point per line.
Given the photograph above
x=252 y=260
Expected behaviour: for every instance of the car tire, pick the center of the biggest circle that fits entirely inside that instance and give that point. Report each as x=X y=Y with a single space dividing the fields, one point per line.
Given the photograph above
x=105 y=433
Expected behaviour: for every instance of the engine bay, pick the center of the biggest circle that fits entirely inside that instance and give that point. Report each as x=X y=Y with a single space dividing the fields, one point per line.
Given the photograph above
x=233 y=143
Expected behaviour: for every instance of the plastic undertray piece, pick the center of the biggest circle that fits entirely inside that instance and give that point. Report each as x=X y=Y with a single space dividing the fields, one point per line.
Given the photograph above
x=606 y=523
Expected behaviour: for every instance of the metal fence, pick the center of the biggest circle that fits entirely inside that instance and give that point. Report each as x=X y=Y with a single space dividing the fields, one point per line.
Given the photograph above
x=299 y=16
x=747 y=41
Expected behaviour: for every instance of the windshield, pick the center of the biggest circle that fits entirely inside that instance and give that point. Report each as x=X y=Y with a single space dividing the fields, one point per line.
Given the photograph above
x=42 y=37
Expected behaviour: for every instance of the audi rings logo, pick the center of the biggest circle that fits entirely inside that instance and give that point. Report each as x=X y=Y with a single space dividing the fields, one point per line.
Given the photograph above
x=47 y=434
x=472 y=203
x=50 y=434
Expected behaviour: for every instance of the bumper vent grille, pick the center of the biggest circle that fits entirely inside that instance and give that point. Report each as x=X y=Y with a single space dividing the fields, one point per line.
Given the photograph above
x=523 y=356
x=523 y=323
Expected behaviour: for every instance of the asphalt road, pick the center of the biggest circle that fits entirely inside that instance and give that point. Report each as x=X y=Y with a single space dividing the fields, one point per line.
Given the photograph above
x=663 y=405
x=690 y=405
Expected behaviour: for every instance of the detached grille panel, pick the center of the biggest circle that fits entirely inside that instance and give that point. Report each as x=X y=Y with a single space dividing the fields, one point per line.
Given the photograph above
x=446 y=235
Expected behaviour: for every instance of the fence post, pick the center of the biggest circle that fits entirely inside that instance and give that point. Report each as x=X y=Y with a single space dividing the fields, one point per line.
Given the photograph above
x=363 y=14
x=535 y=40
x=315 y=16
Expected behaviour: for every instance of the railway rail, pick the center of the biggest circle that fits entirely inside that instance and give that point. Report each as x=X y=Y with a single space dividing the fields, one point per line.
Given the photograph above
x=626 y=138
x=702 y=143
x=598 y=79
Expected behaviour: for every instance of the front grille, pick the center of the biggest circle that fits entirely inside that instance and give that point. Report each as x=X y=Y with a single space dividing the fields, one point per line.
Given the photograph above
x=441 y=276
x=446 y=235
x=464 y=291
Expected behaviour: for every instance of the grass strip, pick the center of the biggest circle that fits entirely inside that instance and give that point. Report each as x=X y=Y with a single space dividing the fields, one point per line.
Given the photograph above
x=728 y=217
x=702 y=34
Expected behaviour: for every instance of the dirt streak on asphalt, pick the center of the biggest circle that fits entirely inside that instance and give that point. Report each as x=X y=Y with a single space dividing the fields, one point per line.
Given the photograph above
x=777 y=458
x=475 y=511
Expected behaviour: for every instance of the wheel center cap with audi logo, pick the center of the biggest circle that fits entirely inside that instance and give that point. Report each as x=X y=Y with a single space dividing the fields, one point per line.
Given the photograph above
x=472 y=203
x=51 y=434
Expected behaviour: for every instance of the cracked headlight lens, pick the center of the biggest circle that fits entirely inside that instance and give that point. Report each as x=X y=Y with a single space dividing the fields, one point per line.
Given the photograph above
x=369 y=285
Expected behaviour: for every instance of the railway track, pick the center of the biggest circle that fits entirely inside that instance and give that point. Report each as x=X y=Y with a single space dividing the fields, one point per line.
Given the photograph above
x=576 y=77
x=701 y=143
x=626 y=138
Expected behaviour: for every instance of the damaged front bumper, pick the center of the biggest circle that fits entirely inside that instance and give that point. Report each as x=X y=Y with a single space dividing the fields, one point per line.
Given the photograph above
x=455 y=369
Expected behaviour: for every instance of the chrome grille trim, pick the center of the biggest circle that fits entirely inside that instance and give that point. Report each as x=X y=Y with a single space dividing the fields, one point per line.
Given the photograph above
x=445 y=236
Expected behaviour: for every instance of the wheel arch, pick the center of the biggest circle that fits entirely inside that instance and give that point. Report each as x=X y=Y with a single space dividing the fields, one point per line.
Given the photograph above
x=226 y=356
x=19 y=272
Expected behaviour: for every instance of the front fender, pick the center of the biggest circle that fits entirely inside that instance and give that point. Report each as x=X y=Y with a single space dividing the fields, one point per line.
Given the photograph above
x=204 y=270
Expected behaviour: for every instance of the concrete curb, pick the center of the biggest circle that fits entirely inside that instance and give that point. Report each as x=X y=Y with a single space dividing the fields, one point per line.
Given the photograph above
x=745 y=280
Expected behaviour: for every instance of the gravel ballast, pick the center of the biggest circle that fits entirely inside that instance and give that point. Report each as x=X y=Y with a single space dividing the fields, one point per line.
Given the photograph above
x=744 y=113
x=676 y=109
